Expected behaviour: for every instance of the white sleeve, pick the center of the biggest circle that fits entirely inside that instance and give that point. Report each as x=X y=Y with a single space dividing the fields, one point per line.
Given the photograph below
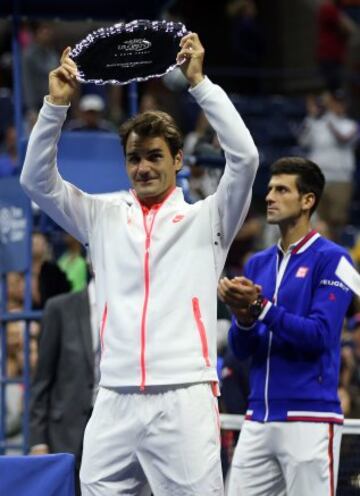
x=346 y=129
x=306 y=132
x=233 y=196
x=67 y=205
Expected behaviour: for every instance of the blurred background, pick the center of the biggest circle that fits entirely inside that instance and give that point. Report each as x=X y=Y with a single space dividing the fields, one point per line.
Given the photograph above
x=292 y=69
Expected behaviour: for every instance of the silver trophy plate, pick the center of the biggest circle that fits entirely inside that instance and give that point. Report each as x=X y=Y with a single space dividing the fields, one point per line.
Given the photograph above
x=136 y=51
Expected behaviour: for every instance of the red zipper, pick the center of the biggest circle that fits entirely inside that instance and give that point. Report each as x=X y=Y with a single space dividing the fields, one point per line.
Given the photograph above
x=201 y=329
x=146 y=295
x=145 y=212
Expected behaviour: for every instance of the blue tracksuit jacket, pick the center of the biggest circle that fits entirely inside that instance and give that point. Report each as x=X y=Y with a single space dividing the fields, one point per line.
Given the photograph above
x=295 y=344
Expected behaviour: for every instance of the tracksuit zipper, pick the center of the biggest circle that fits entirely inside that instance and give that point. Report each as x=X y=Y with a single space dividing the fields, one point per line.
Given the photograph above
x=148 y=231
x=279 y=277
x=280 y=272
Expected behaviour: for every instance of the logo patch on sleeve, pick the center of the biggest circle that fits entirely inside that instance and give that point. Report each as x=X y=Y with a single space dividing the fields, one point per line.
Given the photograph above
x=302 y=271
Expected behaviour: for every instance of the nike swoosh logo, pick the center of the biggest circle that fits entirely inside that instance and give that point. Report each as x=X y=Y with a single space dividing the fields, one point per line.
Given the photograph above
x=177 y=218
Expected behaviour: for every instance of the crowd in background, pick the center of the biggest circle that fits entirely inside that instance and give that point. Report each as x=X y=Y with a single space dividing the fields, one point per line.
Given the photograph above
x=328 y=134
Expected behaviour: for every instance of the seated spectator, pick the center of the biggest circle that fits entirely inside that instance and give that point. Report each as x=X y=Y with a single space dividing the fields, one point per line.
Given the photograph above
x=9 y=157
x=205 y=179
x=350 y=367
x=13 y=392
x=47 y=278
x=355 y=252
x=192 y=139
x=15 y=285
x=90 y=118
x=14 y=369
x=73 y=264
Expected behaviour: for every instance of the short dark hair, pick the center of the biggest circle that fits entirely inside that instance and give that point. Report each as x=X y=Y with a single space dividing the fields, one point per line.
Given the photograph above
x=309 y=178
x=152 y=124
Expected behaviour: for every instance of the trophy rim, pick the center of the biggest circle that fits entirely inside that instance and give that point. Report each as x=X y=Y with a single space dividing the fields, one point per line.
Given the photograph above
x=176 y=27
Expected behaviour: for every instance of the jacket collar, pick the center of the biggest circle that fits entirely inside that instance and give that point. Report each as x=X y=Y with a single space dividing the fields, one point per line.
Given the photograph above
x=302 y=244
x=174 y=196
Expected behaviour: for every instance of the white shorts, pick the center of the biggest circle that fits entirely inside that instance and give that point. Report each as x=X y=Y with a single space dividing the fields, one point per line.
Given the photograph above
x=170 y=439
x=286 y=459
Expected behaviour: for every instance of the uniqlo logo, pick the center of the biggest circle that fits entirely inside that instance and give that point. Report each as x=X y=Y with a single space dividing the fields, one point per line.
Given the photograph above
x=302 y=271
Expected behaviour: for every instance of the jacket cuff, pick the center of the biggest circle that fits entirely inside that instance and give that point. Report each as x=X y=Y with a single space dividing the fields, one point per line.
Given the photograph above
x=265 y=310
x=52 y=111
x=242 y=327
x=201 y=89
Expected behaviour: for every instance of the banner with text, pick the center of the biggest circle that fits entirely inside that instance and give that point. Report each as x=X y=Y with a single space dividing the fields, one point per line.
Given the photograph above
x=15 y=226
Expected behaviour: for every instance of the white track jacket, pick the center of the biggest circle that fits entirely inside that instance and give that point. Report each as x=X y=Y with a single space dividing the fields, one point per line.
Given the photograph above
x=156 y=271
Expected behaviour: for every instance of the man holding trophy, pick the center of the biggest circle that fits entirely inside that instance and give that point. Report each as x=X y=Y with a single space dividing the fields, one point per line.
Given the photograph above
x=157 y=261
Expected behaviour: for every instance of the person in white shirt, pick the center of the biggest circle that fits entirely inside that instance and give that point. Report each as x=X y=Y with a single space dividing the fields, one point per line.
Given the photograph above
x=156 y=261
x=330 y=138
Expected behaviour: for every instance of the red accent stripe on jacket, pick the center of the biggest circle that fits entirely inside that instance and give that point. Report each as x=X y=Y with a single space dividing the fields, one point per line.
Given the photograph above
x=201 y=329
x=146 y=298
x=103 y=324
x=304 y=241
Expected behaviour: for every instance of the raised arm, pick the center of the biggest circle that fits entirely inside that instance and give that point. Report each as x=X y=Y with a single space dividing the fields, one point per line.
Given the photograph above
x=67 y=205
x=233 y=196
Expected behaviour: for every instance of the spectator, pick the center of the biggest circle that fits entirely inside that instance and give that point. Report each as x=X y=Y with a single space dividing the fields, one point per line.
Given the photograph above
x=334 y=29
x=62 y=401
x=90 y=118
x=15 y=284
x=39 y=59
x=355 y=252
x=15 y=367
x=247 y=43
x=330 y=137
x=73 y=264
x=47 y=278
x=9 y=158
x=14 y=392
x=351 y=366
x=204 y=179
x=192 y=139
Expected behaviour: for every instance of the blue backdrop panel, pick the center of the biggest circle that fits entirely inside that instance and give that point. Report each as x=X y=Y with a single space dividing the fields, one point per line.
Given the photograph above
x=94 y=162
x=42 y=475
x=15 y=225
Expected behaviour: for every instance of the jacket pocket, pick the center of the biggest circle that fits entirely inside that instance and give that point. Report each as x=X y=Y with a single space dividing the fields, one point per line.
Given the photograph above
x=202 y=331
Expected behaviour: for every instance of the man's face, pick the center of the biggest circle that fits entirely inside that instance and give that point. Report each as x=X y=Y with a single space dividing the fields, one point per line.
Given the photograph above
x=284 y=202
x=151 y=167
